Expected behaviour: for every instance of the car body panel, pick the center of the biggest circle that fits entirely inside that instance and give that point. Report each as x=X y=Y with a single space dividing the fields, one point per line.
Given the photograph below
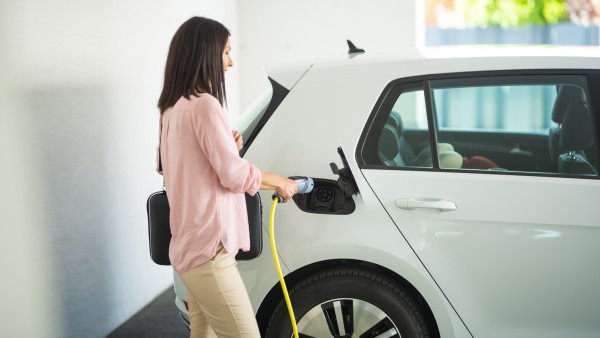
x=307 y=238
x=289 y=75
x=512 y=242
x=304 y=238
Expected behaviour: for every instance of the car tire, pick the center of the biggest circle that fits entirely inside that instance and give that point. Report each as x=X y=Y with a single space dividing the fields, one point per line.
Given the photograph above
x=350 y=302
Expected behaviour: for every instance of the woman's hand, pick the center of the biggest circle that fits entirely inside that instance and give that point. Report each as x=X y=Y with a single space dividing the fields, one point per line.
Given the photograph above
x=287 y=189
x=283 y=186
x=239 y=141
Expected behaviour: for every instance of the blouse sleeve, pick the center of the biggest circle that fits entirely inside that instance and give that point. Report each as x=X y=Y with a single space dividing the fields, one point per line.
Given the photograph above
x=216 y=141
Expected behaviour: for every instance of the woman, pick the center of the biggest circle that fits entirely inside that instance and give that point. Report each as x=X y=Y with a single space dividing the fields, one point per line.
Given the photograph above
x=206 y=180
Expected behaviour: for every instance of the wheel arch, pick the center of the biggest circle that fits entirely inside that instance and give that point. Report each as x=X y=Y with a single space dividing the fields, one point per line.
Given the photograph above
x=275 y=295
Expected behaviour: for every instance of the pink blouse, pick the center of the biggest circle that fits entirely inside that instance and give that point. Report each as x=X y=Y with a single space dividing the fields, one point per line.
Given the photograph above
x=205 y=179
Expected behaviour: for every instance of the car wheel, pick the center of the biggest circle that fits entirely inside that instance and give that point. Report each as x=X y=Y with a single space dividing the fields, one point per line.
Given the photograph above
x=350 y=303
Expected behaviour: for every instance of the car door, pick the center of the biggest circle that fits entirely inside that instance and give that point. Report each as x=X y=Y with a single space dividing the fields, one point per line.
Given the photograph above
x=513 y=245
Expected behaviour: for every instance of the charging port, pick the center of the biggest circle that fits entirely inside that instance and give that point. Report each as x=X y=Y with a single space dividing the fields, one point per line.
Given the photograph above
x=326 y=198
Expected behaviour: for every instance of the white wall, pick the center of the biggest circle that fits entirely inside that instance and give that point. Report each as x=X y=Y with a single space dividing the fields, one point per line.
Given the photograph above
x=80 y=81
x=23 y=288
x=79 y=85
x=274 y=31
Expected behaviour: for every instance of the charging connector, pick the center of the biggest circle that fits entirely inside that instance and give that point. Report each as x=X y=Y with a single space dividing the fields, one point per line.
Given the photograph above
x=305 y=185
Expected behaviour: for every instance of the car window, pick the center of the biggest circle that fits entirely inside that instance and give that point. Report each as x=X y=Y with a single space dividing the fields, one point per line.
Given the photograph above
x=539 y=124
x=408 y=117
x=246 y=122
x=251 y=121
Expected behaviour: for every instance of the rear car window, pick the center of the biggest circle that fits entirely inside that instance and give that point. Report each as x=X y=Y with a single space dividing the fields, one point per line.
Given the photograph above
x=534 y=124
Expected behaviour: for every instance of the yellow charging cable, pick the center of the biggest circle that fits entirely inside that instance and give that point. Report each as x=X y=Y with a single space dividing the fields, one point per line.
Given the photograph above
x=278 y=267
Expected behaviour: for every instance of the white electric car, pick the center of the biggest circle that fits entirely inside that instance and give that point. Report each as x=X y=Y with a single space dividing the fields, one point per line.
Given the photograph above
x=454 y=194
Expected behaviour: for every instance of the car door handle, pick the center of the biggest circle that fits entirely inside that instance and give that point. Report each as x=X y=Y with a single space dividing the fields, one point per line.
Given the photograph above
x=426 y=203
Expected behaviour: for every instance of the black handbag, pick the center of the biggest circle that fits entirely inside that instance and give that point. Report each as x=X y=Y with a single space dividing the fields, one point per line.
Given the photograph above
x=159 y=230
x=254 y=207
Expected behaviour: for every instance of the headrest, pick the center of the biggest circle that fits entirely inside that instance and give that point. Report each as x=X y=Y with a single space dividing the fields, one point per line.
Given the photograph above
x=576 y=132
x=566 y=95
x=388 y=144
x=395 y=120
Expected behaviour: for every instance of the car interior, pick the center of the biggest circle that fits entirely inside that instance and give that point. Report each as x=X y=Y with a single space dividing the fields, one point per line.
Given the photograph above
x=568 y=147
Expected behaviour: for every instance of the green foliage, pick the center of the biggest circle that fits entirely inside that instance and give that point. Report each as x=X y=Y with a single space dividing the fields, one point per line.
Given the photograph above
x=513 y=13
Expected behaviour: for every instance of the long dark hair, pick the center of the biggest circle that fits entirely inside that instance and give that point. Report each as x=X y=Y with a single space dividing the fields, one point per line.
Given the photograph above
x=195 y=62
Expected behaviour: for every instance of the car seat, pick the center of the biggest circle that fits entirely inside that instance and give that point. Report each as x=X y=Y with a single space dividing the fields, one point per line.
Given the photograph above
x=566 y=95
x=405 y=149
x=388 y=148
x=393 y=149
x=575 y=135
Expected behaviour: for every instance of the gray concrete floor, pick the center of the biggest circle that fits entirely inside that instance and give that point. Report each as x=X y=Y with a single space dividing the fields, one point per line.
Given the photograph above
x=159 y=319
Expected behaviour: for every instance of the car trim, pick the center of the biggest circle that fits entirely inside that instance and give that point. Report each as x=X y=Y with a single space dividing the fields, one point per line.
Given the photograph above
x=279 y=93
x=431 y=123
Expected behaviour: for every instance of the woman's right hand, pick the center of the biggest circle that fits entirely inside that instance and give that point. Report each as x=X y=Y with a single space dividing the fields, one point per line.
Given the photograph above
x=288 y=189
x=283 y=186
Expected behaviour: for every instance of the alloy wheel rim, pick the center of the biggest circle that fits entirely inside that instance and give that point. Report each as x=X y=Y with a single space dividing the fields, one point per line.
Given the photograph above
x=347 y=317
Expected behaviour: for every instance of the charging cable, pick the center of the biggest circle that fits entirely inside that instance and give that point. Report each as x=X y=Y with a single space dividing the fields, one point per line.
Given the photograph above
x=276 y=200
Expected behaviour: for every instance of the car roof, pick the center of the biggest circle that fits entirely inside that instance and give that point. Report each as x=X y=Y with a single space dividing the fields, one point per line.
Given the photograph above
x=448 y=59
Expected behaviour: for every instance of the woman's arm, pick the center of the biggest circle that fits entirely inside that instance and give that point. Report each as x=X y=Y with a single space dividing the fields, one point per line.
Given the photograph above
x=282 y=185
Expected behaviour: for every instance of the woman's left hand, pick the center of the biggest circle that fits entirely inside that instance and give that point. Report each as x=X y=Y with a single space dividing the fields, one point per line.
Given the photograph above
x=239 y=141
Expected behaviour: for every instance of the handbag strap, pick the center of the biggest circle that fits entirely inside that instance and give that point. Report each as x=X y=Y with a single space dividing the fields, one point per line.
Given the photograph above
x=159 y=160
x=160 y=169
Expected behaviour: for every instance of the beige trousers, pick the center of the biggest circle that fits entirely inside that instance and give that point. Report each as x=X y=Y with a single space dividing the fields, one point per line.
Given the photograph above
x=218 y=301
